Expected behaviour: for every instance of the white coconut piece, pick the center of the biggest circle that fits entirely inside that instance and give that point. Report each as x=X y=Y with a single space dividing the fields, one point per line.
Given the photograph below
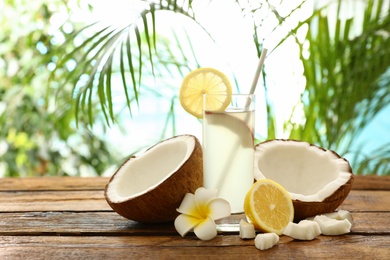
x=318 y=180
x=150 y=188
x=333 y=227
x=339 y=215
x=304 y=230
x=247 y=230
x=266 y=240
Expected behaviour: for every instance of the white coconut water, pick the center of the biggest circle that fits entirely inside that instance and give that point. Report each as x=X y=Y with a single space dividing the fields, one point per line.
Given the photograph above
x=228 y=154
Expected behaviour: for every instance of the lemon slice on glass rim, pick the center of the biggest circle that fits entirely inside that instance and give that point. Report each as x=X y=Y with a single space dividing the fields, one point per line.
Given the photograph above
x=268 y=206
x=204 y=81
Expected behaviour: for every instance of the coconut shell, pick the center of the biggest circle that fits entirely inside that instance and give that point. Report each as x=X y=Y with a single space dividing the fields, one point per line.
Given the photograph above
x=159 y=204
x=303 y=210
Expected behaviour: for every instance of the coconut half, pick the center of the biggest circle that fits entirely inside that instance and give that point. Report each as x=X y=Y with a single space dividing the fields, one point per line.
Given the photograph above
x=318 y=180
x=150 y=188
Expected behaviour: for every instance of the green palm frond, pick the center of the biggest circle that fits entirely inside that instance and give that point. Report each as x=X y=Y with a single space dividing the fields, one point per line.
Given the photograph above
x=97 y=59
x=347 y=76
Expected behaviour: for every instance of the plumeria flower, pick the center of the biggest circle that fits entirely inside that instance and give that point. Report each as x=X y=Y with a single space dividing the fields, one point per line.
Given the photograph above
x=199 y=212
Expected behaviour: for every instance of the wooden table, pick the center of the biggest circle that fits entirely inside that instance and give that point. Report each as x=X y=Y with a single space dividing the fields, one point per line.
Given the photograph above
x=68 y=218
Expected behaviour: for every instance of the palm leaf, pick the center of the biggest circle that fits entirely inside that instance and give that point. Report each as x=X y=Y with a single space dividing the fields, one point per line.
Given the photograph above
x=343 y=92
x=342 y=73
x=97 y=59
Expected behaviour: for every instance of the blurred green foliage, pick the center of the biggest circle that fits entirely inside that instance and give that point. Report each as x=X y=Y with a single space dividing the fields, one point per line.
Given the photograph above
x=38 y=134
x=57 y=78
x=345 y=54
x=346 y=59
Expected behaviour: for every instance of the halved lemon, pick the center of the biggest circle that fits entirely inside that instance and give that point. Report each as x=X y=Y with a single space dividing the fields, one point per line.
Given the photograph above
x=204 y=81
x=269 y=206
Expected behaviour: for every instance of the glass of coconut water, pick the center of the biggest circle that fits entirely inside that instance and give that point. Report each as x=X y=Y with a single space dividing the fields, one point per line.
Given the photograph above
x=228 y=147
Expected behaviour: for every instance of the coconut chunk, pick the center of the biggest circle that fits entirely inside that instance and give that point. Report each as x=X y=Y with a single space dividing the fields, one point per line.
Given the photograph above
x=266 y=241
x=247 y=230
x=339 y=215
x=304 y=230
x=333 y=227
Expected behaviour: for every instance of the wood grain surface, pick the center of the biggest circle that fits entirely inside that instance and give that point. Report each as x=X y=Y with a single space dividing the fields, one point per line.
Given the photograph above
x=68 y=218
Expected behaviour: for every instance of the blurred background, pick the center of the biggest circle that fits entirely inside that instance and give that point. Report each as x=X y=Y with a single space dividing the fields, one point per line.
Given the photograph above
x=85 y=84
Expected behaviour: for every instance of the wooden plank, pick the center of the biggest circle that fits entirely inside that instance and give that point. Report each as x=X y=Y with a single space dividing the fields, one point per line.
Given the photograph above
x=150 y=247
x=371 y=182
x=53 y=201
x=362 y=182
x=72 y=223
x=358 y=200
x=54 y=218
x=367 y=200
x=53 y=183
x=110 y=223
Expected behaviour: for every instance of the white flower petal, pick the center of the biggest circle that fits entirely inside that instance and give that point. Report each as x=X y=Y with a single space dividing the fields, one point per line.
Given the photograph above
x=204 y=194
x=188 y=206
x=202 y=197
x=219 y=208
x=184 y=223
x=206 y=229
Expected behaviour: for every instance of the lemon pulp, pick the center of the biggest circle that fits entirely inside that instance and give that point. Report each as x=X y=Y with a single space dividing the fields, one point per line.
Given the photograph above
x=269 y=206
x=205 y=81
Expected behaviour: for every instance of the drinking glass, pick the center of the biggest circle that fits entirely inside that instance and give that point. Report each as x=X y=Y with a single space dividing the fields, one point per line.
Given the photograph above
x=228 y=147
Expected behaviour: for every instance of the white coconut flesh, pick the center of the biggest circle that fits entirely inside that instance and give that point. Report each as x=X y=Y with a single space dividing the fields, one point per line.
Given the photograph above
x=141 y=174
x=307 y=172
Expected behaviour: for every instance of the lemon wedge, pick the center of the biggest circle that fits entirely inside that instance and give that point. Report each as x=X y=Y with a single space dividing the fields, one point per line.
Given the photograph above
x=205 y=81
x=269 y=206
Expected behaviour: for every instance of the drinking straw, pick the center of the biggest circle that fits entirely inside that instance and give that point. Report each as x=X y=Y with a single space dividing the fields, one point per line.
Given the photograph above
x=258 y=71
x=257 y=75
